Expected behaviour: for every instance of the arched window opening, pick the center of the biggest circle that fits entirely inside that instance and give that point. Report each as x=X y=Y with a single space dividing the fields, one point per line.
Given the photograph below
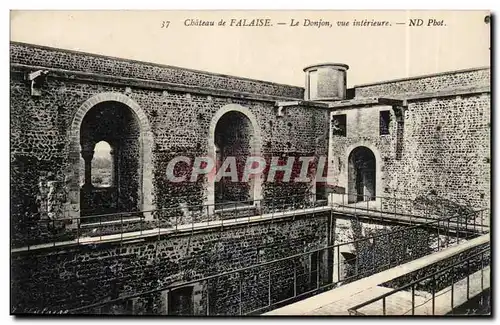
x=111 y=149
x=362 y=175
x=233 y=142
x=102 y=165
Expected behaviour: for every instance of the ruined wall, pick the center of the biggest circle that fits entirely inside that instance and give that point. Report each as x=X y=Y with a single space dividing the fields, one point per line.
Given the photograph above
x=470 y=78
x=362 y=129
x=98 y=273
x=43 y=56
x=91 y=274
x=179 y=121
x=291 y=136
x=446 y=151
x=441 y=156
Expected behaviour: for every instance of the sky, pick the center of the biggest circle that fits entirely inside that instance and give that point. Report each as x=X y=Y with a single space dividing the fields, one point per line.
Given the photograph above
x=278 y=53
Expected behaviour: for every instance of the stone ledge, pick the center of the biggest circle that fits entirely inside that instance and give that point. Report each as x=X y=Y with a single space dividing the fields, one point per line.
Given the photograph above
x=19 y=50
x=402 y=100
x=447 y=93
x=145 y=84
x=366 y=101
x=112 y=222
x=306 y=103
x=431 y=75
x=181 y=229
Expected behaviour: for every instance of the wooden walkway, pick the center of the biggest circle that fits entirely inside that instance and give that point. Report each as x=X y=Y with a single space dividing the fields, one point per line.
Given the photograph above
x=406 y=218
x=337 y=301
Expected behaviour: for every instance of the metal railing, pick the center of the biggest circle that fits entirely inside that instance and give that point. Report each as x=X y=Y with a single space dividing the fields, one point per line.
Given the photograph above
x=413 y=210
x=183 y=217
x=267 y=285
x=440 y=283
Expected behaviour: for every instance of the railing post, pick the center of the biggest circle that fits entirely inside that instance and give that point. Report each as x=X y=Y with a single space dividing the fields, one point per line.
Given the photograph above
x=241 y=302
x=77 y=230
x=192 y=220
x=438 y=239
x=159 y=227
x=452 y=286
x=468 y=276
x=411 y=211
x=176 y=222
x=413 y=299
x=338 y=264
x=474 y=222
x=403 y=243
x=356 y=266
x=317 y=271
x=269 y=289
x=208 y=298
x=383 y=306
x=294 y=280
x=140 y=222
x=448 y=233
x=54 y=231
x=381 y=206
x=433 y=294
x=121 y=232
x=343 y=200
x=482 y=212
x=374 y=252
x=482 y=266
x=395 y=204
x=428 y=236
x=272 y=207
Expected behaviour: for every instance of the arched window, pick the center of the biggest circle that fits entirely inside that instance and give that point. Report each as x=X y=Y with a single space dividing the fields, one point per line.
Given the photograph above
x=102 y=165
x=233 y=134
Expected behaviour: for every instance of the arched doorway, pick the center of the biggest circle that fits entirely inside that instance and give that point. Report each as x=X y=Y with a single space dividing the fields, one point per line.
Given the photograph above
x=361 y=175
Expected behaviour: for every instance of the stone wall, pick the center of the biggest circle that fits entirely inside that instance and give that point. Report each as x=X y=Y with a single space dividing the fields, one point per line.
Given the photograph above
x=362 y=129
x=98 y=273
x=439 y=154
x=446 y=151
x=470 y=78
x=42 y=56
x=443 y=149
x=41 y=128
x=62 y=278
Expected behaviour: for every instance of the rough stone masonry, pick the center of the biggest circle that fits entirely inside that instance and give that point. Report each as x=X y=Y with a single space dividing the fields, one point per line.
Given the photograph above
x=435 y=147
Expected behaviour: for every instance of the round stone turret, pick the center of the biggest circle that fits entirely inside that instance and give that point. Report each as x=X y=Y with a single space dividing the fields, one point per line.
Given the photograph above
x=326 y=82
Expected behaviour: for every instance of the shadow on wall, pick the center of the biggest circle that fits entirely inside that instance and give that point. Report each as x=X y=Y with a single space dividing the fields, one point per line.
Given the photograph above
x=392 y=246
x=434 y=204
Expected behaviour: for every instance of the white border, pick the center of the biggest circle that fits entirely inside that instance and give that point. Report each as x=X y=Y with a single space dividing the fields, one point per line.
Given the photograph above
x=185 y=4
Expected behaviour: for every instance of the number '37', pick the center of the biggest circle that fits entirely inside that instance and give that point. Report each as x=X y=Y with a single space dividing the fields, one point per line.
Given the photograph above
x=165 y=24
